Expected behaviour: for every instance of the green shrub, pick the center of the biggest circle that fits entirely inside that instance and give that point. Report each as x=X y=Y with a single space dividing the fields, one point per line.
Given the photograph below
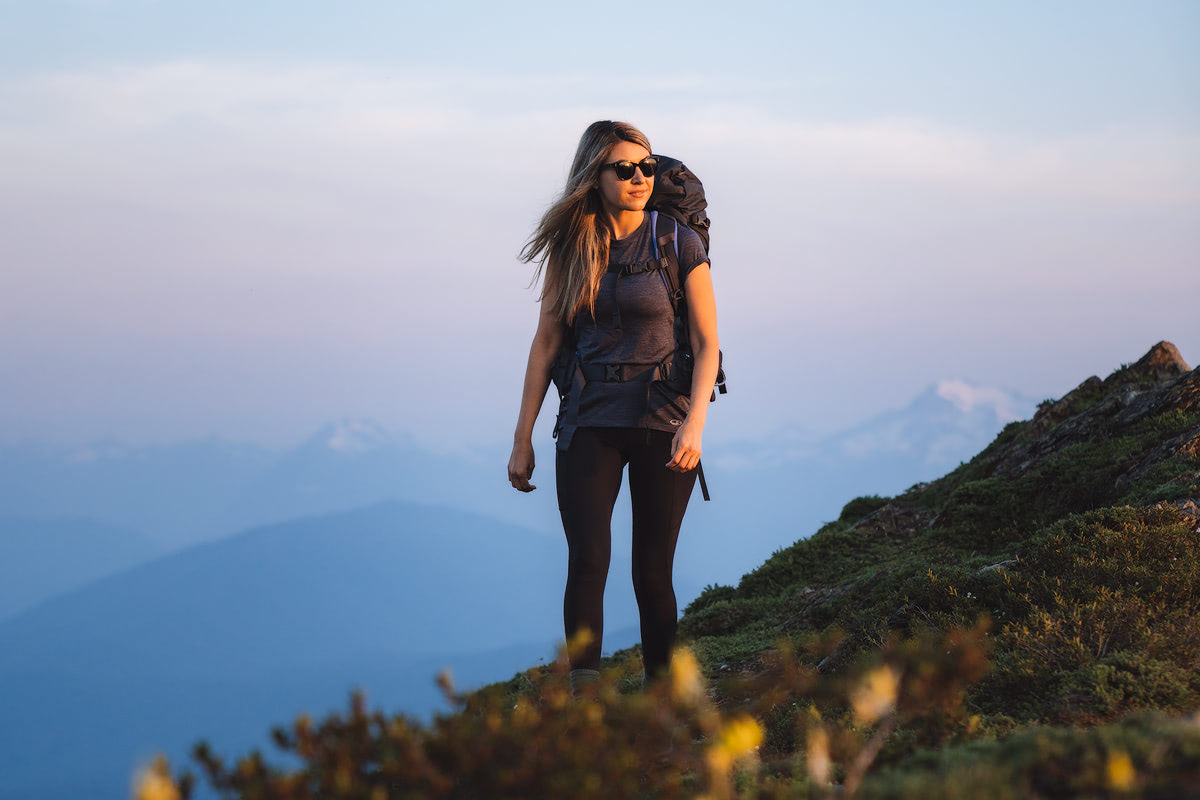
x=1171 y=479
x=860 y=507
x=1148 y=755
x=1091 y=596
x=711 y=594
x=1127 y=681
x=832 y=555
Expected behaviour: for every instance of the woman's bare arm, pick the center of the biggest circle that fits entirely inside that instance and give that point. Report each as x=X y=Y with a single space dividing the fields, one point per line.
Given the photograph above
x=546 y=342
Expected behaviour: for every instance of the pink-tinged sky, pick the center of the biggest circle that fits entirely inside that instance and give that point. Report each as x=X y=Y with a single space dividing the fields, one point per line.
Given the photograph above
x=248 y=222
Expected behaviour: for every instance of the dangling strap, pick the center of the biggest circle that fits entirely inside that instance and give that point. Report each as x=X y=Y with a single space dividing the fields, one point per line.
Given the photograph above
x=703 y=485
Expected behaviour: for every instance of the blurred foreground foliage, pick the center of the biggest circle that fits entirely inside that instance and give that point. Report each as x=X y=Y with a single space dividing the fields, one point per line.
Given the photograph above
x=680 y=737
x=781 y=730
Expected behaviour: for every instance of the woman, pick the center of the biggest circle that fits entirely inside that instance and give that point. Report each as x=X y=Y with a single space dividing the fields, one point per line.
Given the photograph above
x=627 y=417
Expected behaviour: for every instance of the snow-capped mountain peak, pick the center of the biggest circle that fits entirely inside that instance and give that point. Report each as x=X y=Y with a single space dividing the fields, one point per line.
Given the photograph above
x=967 y=398
x=353 y=435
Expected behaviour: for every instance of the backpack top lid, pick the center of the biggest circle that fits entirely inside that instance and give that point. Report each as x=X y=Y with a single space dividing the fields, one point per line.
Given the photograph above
x=679 y=194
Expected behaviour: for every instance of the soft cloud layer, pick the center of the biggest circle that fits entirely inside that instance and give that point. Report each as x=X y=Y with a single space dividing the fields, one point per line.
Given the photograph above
x=259 y=247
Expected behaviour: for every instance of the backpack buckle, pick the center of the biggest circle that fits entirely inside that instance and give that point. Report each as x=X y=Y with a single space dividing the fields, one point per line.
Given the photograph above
x=612 y=372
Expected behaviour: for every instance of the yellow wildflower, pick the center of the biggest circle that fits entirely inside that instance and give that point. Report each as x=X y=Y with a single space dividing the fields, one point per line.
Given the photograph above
x=579 y=642
x=154 y=782
x=687 y=684
x=1120 y=771
x=877 y=695
x=741 y=736
x=738 y=738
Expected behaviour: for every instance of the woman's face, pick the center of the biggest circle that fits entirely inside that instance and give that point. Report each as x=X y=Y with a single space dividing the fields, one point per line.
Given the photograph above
x=630 y=195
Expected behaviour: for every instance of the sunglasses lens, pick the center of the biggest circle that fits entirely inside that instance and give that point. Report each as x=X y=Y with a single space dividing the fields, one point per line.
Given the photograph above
x=649 y=167
x=624 y=170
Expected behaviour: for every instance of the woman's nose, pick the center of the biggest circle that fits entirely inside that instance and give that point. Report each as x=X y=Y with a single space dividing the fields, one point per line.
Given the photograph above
x=637 y=176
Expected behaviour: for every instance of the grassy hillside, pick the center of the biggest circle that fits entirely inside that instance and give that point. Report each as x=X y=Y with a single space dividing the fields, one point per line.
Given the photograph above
x=1026 y=626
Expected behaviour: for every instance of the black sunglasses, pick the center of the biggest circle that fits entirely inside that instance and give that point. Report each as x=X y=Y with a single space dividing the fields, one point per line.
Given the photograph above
x=624 y=169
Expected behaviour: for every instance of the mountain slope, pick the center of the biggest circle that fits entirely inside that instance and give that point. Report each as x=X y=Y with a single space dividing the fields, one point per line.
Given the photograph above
x=1131 y=439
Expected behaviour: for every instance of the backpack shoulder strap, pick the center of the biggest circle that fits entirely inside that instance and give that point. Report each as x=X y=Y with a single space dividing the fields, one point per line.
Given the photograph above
x=666 y=247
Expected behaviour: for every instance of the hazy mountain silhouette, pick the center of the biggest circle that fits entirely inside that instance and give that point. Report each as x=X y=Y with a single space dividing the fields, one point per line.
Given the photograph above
x=165 y=492
x=41 y=558
x=769 y=492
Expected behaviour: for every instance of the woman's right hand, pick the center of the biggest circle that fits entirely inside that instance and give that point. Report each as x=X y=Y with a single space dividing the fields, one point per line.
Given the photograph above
x=520 y=466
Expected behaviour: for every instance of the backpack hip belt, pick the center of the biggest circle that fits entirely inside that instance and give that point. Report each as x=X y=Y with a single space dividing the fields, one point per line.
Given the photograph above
x=624 y=372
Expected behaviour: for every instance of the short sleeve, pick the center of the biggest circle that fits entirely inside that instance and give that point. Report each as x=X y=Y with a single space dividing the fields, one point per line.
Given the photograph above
x=691 y=252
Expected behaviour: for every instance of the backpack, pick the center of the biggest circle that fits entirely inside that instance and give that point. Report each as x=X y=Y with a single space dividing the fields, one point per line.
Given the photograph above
x=678 y=198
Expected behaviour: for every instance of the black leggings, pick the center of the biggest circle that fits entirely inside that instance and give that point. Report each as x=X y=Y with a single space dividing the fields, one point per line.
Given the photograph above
x=588 y=478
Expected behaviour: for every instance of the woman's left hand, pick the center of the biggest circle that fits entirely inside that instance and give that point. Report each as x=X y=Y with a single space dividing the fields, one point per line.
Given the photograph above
x=685 y=447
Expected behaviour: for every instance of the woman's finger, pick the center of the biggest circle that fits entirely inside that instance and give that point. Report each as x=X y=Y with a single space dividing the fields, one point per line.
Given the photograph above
x=681 y=460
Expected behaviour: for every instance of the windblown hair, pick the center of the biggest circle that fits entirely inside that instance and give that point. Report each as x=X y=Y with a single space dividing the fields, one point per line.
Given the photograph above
x=571 y=241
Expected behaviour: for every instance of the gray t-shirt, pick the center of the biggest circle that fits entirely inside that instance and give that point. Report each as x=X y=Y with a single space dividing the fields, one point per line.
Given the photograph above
x=646 y=334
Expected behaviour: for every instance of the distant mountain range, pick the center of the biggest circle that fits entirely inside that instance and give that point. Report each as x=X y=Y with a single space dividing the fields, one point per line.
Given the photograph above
x=169 y=496
x=201 y=490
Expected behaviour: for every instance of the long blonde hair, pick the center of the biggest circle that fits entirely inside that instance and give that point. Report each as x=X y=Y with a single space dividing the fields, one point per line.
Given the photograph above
x=571 y=241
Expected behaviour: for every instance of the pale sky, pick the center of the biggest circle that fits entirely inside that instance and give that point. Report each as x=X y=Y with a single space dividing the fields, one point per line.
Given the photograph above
x=242 y=221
